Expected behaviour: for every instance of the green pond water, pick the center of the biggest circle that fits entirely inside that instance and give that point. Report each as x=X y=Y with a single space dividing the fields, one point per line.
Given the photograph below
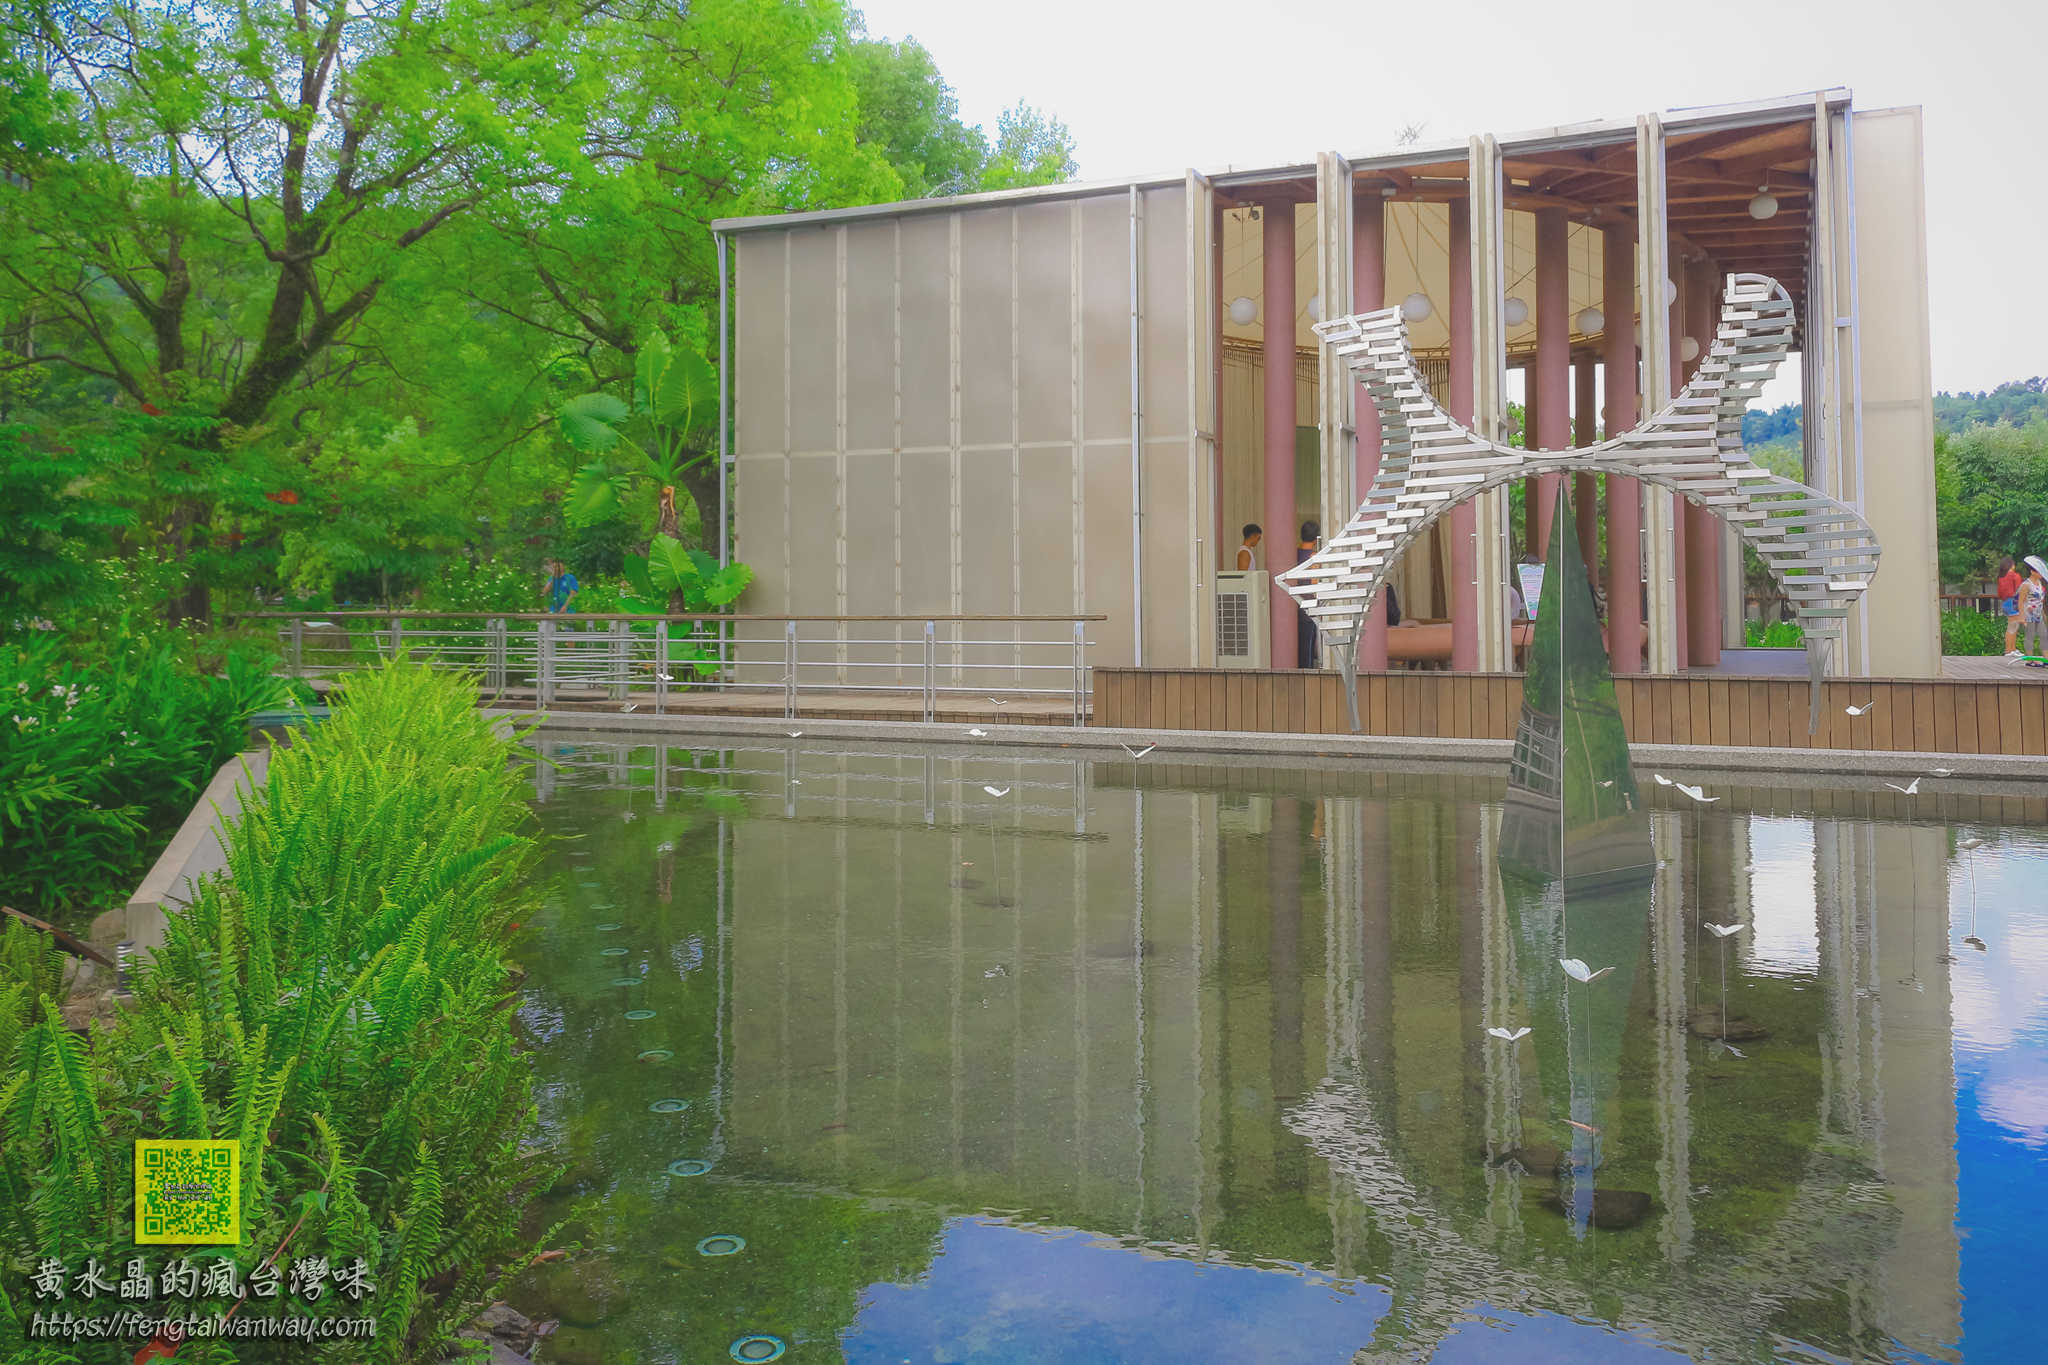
x=852 y=1057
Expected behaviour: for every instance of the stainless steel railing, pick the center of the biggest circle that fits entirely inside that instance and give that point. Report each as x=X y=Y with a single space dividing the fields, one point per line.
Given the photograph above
x=659 y=660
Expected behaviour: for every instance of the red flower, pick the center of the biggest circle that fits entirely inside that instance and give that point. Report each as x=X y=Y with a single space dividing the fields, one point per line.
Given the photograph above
x=152 y=409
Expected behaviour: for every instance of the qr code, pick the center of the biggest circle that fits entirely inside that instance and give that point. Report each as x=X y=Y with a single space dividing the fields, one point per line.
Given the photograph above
x=188 y=1192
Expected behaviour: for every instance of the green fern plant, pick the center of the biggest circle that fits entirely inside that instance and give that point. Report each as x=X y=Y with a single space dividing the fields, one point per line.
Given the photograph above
x=335 y=1003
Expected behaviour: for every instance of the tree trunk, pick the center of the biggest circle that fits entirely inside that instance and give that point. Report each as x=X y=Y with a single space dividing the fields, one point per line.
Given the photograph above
x=700 y=481
x=670 y=524
x=191 y=602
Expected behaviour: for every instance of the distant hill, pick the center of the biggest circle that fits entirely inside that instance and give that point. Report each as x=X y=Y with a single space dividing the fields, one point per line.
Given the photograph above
x=2017 y=401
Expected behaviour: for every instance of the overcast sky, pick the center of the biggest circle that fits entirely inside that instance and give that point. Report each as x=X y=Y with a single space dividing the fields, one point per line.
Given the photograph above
x=1151 y=87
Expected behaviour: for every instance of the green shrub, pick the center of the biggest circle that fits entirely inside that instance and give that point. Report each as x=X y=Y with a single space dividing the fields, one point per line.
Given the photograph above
x=1972 y=632
x=488 y=585
x=1775 y=635
x=337 y=1003
x=99 y=764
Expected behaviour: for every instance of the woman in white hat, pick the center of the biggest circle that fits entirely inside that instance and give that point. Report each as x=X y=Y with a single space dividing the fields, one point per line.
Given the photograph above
x=2034 y=609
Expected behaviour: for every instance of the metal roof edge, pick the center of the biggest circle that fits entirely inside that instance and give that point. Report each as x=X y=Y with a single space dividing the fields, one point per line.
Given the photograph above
x=1594 y=132
x=1071 y=189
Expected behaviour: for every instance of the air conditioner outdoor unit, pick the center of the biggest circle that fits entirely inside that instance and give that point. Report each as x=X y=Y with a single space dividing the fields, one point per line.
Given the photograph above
x=1241 y=603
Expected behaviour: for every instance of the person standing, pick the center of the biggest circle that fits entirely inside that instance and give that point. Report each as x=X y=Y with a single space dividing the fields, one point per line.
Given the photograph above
x=1305 y=636
x=2034 y=609
x=1248 y=553
x=562 y=588
x=2009 y=603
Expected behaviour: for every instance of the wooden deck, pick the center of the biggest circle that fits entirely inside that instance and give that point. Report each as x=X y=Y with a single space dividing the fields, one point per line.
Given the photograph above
x=1989 y=668
x=1929 y=715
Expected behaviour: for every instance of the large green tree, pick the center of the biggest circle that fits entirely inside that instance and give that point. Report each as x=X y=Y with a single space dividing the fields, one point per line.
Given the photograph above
x=1991 y=495
x=335 y=265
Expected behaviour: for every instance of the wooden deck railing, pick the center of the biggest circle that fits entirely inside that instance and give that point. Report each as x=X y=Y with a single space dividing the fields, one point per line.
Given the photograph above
x=1927 y=715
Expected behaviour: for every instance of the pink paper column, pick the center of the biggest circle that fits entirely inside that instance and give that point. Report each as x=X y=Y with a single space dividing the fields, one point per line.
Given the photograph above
x=1553 y=357
x=1585 y=425
x=1464 y=518
x=1624 y=495
x=1704 y=541
x=1531 y=421
x=1282 y=531
x=1530 y=488
x=1369 y=292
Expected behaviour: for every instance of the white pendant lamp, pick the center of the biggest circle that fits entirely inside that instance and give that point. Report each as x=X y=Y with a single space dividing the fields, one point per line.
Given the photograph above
x=1670 y=293
x=1243 y=311
x=1765 y=204
x=1315 y=307
x=1514 y=312
x=1415 y=307
x=1688 y=349
x=1591 y=321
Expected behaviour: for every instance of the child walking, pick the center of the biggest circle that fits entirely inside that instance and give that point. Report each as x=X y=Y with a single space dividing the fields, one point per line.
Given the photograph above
x=2034 y=609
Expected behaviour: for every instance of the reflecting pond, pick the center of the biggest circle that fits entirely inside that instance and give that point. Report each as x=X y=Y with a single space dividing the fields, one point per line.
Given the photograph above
x=946 y=1055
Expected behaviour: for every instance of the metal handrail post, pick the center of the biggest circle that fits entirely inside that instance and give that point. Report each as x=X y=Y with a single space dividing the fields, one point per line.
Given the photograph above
x=931 y=653
x=789 y=671
x=496 y=635
x=617 y=690
x=1080 y=667
x=298 y=646
x=544 y=663
x=397 y=635
x=661 y=673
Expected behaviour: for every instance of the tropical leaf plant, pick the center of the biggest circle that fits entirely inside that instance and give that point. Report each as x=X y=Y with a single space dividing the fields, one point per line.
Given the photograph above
x=673 y=578
x=654 y=440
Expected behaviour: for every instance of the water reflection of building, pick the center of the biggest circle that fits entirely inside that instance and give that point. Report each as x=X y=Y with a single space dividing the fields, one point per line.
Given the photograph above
x=1240 y=1015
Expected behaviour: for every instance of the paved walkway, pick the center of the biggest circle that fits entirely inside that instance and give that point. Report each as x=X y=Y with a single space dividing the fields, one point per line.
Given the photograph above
x=1989 y=668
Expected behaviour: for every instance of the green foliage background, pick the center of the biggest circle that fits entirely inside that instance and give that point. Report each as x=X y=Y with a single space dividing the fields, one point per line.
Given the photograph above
x=99 y=764
x=291 y=295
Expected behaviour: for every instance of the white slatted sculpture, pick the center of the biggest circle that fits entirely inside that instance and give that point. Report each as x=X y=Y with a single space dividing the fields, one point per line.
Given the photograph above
x=1820 y=549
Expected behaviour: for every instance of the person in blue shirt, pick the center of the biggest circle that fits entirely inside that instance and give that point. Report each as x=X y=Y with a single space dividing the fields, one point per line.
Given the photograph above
x=562 y=587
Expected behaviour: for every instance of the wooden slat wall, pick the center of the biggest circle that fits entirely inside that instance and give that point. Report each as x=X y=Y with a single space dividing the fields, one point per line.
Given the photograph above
x=1933 y=715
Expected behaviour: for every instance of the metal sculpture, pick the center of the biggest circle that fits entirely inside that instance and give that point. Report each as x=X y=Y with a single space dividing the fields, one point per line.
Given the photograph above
x=1821 y=550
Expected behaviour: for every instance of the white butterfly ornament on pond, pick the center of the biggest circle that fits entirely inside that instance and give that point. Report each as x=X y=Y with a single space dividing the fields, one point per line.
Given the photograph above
x=1910 y=789
x=1870 y=705
x=1724 y=930
x=1579 y=971
x=1138 y=753
x=1695 y=793
x=1662 y=780
x=978 y=733
x=1511 y=1035
x=997 y=791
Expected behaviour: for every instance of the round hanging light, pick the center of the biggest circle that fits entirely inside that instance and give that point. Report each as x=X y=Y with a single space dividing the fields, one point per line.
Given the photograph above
x=1514 y=312
x=1243 y=311
x=1415 y=307
x=1688 y=349
x=1315 y=307
x=1590 y=321
x=1765 y=205
x=1670 y=293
